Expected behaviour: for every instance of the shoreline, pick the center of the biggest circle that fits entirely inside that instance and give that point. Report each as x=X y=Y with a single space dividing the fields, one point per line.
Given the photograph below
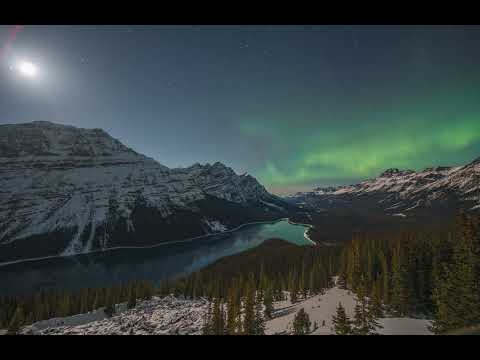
x=305 y=234
x=7 y=263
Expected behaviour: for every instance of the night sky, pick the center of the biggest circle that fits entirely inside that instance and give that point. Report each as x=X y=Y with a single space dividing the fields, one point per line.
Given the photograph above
x=295 y=106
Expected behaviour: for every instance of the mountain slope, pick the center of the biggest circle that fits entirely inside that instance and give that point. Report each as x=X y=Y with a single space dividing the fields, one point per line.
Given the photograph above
x=65 y=190
x=403 y=192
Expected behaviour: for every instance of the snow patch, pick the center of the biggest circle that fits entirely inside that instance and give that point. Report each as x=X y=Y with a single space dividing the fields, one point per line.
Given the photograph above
x=215 y=225
x=272 y=205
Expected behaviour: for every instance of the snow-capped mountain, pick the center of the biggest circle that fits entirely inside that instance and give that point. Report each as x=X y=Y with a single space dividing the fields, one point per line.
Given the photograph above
x=403 y=192
x=66 y=190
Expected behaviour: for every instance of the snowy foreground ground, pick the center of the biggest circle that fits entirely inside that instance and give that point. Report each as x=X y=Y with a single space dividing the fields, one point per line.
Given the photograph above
x=322 y=307
x=159 y=316
x=171 y=315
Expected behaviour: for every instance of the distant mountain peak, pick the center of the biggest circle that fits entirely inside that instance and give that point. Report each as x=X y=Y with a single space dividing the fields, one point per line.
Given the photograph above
x=437 y=168
x=404 y=191
x=44 y=138
x=394 y=172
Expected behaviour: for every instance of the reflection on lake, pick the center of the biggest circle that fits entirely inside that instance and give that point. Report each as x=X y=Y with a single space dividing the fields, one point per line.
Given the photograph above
x=118 y=266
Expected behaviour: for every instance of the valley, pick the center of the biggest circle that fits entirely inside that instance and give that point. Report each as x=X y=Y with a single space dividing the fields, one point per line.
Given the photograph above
x=90 y=222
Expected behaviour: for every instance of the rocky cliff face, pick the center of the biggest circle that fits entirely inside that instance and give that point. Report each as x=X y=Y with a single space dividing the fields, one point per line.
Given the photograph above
x=65 y=190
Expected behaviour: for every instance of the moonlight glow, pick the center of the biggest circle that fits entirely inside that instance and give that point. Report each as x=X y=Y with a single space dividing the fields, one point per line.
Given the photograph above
x=27 y=69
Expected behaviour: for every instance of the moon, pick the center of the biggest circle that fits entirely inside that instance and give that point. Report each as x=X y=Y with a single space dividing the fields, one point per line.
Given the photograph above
x=27 y=69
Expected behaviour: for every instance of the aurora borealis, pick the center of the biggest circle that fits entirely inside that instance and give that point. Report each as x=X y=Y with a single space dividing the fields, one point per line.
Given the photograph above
x=295 y=106
x=412 y=112
x=342 y=151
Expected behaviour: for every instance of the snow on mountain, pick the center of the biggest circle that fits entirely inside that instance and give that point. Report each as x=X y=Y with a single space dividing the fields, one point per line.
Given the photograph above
x=403 y=190
x=66 y=190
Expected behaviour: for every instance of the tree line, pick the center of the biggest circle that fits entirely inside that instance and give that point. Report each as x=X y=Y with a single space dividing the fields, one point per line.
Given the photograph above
x=275 y=266
x=18 y=311
x=433 y=274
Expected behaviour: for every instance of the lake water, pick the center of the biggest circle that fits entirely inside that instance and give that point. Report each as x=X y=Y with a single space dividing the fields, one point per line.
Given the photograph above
x=118 y=266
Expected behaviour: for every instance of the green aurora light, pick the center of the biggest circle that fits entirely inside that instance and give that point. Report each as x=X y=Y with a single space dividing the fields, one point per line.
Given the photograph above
x=352 y=146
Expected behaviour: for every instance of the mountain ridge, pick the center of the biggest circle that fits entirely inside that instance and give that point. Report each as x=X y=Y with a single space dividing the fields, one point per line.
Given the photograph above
x=398 y=192
x=66 y=190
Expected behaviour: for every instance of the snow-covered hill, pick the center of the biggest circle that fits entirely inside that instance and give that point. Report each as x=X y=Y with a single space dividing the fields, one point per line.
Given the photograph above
x=66 y=190
x=170 y=315
x=403 y=192
x=321 y=308
x=158 y=316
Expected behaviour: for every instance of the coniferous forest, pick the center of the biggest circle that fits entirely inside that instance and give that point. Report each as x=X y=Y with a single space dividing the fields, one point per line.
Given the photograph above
x=420 y=274
x=431 y=274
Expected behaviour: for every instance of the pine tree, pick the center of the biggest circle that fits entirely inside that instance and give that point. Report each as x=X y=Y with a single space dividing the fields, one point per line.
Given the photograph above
x=132 y=297
x=360 y=325
x=262 y=280
x=371 y=319
x=293 y=296
x=268 y=302
x=293 y=287
x=147 y=290
x=18 y=320
x=341 y=323
x=109 y=303
x=312 y=283
x=301 y=323
x=95 y=305
x=341 y=282
x=303 y=284
x=375 y=303
x=385 y=277
x=239 y=319
x=232 y=311
x=457 y=294
x=64 y=306
x=259 y=319
x=361 y=290
x=207 y=321
x=249 y=309
x=398 y=301
x=218 y=319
